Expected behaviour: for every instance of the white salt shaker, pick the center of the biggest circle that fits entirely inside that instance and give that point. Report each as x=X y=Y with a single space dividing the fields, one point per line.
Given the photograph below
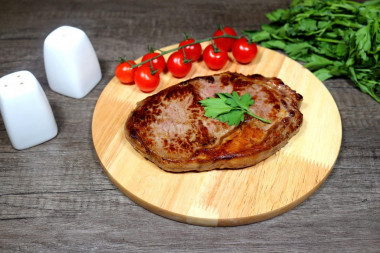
x=72 y=67
x=25 y=110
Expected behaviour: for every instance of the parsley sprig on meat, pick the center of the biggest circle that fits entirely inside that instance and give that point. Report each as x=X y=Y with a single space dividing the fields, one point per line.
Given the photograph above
x=229 y=108
x=333 y=38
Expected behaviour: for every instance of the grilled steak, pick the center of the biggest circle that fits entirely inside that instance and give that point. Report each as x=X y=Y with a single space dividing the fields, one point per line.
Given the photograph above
x=170 y=129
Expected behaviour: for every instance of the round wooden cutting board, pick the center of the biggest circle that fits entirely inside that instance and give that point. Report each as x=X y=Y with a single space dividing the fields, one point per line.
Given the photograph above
x=224 y=197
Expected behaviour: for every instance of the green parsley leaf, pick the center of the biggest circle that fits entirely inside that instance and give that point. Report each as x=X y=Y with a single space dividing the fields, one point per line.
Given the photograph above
x=335 y=38
x=317 y=62
x=232 y=118
x=215 y=107
x=275 y=44
x=276 y=15
x=323 y=74
x=229 y=108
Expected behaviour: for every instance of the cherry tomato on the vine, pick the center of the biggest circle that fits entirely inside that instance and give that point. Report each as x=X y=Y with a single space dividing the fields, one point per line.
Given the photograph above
x=224 y=43
x=177 y=65
x=192 y=52
x=158 y=63
x=243 y=51
x=145 y=80
x=124 y=71
x=214 y=60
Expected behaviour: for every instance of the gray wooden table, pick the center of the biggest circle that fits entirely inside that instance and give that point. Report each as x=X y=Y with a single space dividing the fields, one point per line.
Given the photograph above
x=56 y=197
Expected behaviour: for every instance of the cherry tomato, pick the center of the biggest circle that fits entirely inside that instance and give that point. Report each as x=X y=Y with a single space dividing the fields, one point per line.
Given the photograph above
x=158 y=63
x=243 y=51
x=214 y=60
x=224 y=43
x=145 y=80
x=192 y=52
x=124 y=72
x=177 y=65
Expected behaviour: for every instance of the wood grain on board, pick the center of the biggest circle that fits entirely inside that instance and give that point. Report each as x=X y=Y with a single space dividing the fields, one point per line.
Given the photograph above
x=224 y=197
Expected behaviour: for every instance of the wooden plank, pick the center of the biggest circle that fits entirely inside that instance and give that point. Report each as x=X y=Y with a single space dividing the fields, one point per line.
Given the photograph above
x=56 y=198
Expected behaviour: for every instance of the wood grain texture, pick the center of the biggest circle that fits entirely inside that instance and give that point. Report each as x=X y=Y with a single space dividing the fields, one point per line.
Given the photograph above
x=55 y=197
x=224 y=197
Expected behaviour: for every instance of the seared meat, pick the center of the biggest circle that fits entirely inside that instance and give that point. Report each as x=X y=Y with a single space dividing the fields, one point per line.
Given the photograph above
x=170 y=129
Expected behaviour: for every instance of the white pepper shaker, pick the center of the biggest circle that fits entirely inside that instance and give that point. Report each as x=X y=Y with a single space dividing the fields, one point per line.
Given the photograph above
x=72 y=67
x=26 y=112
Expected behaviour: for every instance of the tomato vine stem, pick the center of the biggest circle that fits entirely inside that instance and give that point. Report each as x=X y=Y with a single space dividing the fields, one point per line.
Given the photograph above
x=163 y=52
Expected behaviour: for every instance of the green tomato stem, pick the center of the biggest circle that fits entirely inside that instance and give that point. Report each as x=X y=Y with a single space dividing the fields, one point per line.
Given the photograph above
x=152 y=70
x=190 y=44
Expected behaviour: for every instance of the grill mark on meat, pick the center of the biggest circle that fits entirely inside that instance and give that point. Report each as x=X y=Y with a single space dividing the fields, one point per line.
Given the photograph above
x=225 y=80
x=270 y=96
x=170 y=129
x=203 y=137
x=256 y=76
x=239 y=84
x=283 y=102
x=209 y=79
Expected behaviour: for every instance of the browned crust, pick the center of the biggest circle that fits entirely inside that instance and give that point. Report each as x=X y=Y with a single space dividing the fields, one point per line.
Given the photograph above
x=244 y=146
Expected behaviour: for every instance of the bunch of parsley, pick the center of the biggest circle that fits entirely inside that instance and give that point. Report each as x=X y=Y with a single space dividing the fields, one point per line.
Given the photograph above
x=333 y=38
